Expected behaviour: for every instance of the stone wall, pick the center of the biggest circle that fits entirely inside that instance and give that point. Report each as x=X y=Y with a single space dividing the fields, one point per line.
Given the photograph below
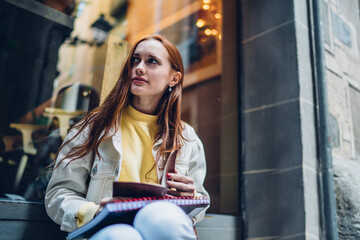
x=342 y=47
x=279 y=187
x=347 y=192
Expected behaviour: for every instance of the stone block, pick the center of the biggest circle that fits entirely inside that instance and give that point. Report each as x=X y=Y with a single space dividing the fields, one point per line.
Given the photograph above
x=260 y=16
x=304 y=62
x=301 y=12
x=312 y=208
x=270 y=68
x=326 y=25
x=308 y=135
x=272 y=138
x=334 y=134
x=355 y=112
x=341 y=29
x=350 y=10
x=276 y=208
x=339 y=107
x=218 y=226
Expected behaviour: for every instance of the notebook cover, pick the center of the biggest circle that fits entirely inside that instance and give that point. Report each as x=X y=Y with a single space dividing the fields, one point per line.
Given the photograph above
x=137 y=190
x=124 y=211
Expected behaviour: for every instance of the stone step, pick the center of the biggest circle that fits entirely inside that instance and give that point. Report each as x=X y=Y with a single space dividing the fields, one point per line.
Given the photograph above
x=219 y=226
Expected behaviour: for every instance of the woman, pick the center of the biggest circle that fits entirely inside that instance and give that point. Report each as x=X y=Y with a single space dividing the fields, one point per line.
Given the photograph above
x=129 y=138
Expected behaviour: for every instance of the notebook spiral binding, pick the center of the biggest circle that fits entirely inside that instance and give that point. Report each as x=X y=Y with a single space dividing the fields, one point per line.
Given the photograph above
x=137 y=203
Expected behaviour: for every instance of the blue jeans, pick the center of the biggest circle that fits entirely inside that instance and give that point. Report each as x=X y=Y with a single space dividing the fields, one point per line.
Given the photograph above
x=159 y=220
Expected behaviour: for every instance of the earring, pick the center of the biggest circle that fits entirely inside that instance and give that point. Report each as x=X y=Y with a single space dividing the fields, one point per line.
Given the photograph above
x=170 y=89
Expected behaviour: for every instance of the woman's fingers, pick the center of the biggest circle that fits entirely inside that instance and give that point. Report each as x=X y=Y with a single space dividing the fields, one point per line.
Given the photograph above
x=180 y=178
x=180 y=194
x=179 y=186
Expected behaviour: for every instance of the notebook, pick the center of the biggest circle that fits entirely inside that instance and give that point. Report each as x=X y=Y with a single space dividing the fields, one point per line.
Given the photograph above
x=126 y=202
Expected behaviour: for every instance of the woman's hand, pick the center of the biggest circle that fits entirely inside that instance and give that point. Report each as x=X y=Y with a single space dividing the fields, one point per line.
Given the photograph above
x=103 y=202
x=180 y=185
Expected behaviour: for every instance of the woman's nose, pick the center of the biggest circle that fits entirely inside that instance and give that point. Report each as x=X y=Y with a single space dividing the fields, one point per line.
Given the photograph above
x=140 y=68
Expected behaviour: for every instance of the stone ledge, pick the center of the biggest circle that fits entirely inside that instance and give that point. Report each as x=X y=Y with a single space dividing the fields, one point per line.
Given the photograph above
x=23 y=218
x=219 y=226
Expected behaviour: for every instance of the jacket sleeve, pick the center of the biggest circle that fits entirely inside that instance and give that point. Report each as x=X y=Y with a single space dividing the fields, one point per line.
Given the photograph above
x=67 y=188
x=197 y=170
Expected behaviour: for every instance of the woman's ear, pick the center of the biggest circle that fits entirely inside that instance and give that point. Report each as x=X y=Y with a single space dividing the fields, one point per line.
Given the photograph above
x=175 y=79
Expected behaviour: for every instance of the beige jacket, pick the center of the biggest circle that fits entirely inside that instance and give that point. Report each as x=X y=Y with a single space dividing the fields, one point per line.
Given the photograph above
x=90 y=179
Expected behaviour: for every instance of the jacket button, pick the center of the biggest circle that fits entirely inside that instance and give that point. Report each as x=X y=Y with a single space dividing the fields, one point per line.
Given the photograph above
x=94 y=170
x=117 y=171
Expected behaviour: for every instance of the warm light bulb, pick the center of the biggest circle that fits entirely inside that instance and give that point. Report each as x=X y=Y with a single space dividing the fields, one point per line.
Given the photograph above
x=213 y=31
x=206 y=1
x=200 y=23
x=218 y=16
x=220 y=36
x=207 y=31
x=206 y=7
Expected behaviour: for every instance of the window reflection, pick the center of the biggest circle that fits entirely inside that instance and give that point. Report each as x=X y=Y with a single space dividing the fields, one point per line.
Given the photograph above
x=64 y=73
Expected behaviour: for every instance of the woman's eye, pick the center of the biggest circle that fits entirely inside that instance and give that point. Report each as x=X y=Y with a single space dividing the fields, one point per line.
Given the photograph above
x=153 y=61
x=135 y=60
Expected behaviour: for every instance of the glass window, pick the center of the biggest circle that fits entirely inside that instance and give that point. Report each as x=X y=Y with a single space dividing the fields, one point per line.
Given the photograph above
x=54 y=69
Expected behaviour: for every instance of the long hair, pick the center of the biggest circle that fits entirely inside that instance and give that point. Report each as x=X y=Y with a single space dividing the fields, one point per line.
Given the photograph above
x=107 y=114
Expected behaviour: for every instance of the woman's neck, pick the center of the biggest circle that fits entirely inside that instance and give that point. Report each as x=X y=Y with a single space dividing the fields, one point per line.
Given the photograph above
x=144 y=104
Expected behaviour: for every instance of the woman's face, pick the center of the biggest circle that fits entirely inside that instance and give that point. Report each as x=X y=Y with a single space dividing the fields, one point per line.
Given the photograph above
x=151 y=72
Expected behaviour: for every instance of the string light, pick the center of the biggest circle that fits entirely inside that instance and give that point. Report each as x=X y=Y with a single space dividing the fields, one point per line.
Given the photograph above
x=200 y=23
x=206 y=7
x=208 y=32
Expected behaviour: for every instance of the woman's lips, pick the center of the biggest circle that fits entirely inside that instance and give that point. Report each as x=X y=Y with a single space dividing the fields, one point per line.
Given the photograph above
x=139 y=80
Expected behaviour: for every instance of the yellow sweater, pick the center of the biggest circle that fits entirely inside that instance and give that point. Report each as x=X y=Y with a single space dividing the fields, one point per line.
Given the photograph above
x=138 y=132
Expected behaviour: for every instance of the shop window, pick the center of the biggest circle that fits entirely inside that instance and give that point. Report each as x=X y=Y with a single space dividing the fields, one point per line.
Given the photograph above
x=79 y=70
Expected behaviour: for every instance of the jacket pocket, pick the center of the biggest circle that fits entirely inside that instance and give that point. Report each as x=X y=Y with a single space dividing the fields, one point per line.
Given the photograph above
x=100 y=188
x=101 y=182
x=103 y=168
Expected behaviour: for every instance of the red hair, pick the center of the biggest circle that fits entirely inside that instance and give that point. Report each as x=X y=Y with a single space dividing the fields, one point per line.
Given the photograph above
x=106 y=115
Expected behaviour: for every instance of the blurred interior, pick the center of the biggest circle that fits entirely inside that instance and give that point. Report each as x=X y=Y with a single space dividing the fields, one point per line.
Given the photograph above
x=52 y=73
